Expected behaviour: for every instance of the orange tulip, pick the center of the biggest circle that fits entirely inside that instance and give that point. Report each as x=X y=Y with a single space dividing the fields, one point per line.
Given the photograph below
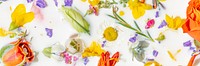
x=105 y=59
x=19 y=53
x=192 y=24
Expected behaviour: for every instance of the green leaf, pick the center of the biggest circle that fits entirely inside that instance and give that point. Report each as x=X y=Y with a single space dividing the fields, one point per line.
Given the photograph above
x=137 y=26
x=47 y=52
x=13 y=26
x=150 y=36
x=197 y=43
x=3 y=49
x=161 y=37
x=76 y=20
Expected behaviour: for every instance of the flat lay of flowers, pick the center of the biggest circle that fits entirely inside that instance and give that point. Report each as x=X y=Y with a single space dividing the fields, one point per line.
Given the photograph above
x=99 y=33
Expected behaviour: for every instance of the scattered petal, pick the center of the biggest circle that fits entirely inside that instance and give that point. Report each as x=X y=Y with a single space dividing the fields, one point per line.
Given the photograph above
x=29 y=1
x=49 y=32
x=155 y=53
x=68 y=2
x=171 y=55
x=56 y=2
x=192 y=48
x=86 y=60
x=75 y=58
x=41 y=3
x=150 y=24
x=133 y=39
x=157 y=14
x=103 y=44
x=161 y=37
x=68 y=58
x=121 y=13
x=37 y=11
x=162 y=24
x=187 y=44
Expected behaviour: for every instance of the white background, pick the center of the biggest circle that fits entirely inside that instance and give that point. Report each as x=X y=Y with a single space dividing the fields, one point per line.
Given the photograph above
x=62 y=30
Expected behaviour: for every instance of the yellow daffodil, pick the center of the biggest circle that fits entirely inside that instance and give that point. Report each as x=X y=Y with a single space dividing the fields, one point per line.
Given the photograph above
x=93 y=2
x=138 y=8
x=174 y=23
x=94 y=50
x=20 y=17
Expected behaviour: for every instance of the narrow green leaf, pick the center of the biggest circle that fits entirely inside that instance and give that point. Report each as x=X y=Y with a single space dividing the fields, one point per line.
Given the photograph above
x=150 y=36
x=137 y=26
x=47 y=52
x=142 y=34
x=3 y=49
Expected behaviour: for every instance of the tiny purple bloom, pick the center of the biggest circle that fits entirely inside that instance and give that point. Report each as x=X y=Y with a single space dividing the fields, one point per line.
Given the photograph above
x=29 y=1
x=192 y=48
x=103 y=44
x=75 y=58
x=187 y=44
x=86 y=60
x=155 y=53
x=41 y=3
x=149 y=24
x=133 y=39
x=150 y=59
x=49 y=32
x=162 y=24
x=68 y=2
x=56 y=2
x=157 y=14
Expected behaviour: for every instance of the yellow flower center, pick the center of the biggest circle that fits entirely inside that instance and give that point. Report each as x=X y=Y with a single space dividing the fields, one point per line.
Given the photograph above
x=110 y=34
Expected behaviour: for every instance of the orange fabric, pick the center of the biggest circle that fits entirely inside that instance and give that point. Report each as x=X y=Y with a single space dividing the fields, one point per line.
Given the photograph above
x=17 y=54
x=192 y=24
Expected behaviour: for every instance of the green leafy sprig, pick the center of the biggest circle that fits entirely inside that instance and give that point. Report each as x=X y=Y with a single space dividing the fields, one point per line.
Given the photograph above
x=125 y=24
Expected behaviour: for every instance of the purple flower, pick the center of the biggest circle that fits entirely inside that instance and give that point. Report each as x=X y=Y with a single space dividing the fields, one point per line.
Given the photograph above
x=49 y=32
x=86 y=60
x=187 y=44
x=103 y=44
x=155 y=53
x=29 y=1
x=133 y=39
x=162 y=24
x=157 y=14
x=56 y=2
x=41 y=3
x=192 y=48
x=68 y=2
x=75 y=58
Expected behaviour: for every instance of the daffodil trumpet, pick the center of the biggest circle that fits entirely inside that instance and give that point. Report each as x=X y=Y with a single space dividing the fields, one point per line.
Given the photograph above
x=20 y=54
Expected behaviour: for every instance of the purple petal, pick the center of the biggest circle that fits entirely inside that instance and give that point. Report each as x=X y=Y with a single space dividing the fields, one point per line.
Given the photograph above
x=103 y=44
x=150 y=23
x=49 y=32
x=192 y=48
x=187 y=44
x=133 y=39
x=162 y=24
x=68 y=2
x=75 y=58
x=56 y=2
x=29 y=1
x=41 y=3
x=86 y=60
x=155 y=53
x=157 y=14
x=150 y=59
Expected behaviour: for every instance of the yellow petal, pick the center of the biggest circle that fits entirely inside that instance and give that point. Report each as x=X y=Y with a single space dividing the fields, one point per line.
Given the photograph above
x=171 y=55
x=147 y=6
x=19 y=10
x=169 y=21
x=137 y=12
x=178 y=22
x=162 y=0
x=25 y=18
x=3 y=32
